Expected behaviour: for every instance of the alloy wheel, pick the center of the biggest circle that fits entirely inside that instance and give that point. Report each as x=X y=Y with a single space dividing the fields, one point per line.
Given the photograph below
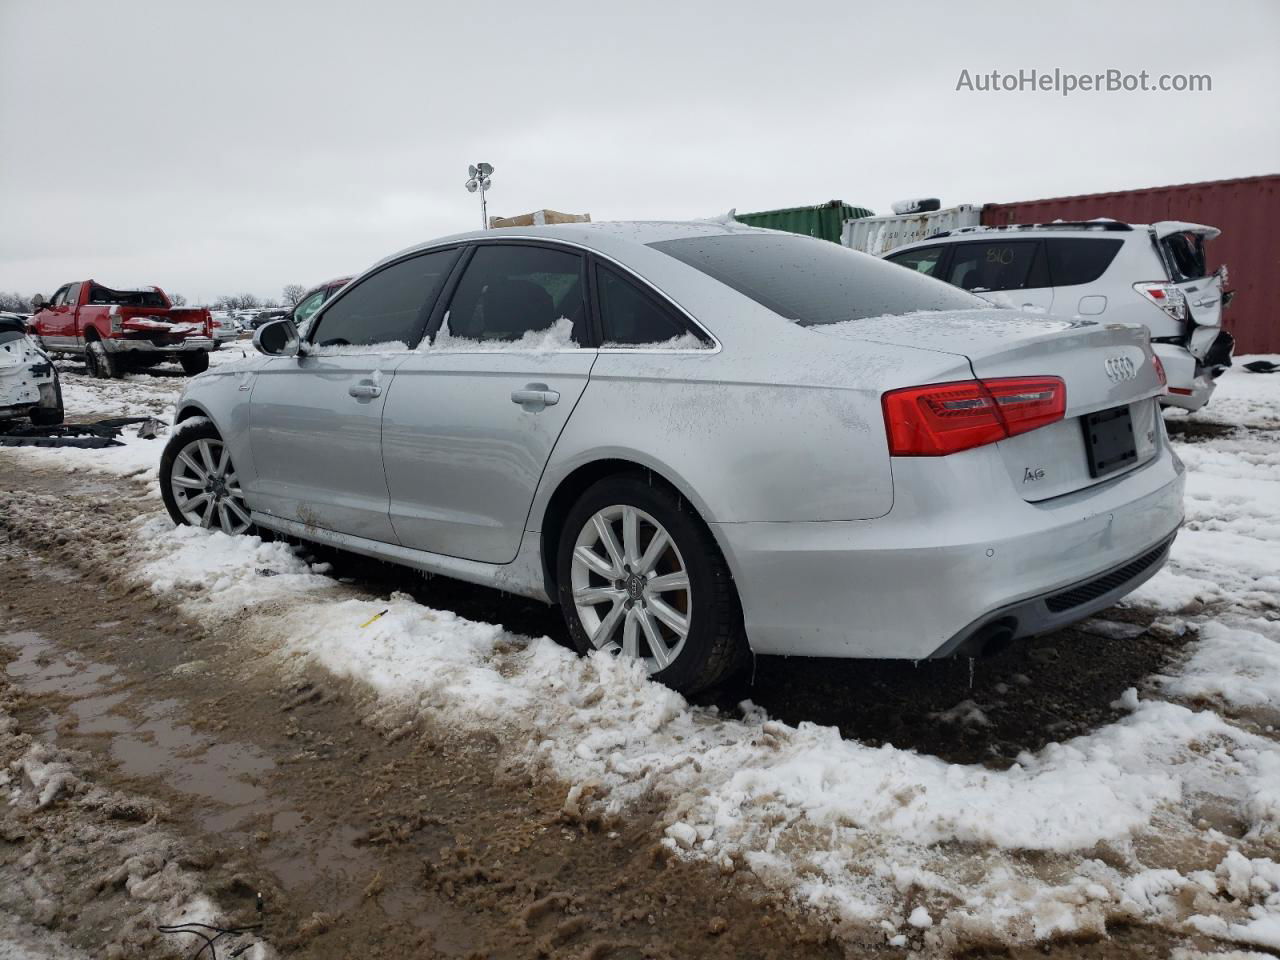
x=206 y=489
x=631 y=586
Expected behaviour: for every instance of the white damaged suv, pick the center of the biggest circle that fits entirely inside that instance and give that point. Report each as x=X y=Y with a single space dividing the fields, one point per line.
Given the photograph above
x=1103 y=270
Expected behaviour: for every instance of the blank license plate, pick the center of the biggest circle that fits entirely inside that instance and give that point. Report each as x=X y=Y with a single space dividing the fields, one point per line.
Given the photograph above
x=1108 y=438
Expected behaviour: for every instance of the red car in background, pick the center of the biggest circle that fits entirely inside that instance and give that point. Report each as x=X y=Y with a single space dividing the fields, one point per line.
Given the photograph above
x=117 y=331
x=313 y=300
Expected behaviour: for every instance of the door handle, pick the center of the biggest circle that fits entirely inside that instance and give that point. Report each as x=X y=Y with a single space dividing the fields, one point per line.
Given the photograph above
x=535 y=396
x=365 y=389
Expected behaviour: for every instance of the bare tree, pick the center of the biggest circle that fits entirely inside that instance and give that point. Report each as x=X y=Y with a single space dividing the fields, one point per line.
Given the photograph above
x=14 y=302
x=292 y=293
x=177 y=299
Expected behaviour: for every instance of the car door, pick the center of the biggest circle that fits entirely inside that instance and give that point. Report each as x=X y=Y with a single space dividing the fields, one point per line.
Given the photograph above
x=1014 y=268
x=315 y=420
x=56 y=321
x=477 y=409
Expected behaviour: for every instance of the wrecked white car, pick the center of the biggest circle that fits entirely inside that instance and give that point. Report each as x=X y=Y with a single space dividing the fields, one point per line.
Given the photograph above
x=29 y=387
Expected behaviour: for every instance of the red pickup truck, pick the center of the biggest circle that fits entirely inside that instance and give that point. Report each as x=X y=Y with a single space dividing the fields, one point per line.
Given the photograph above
x=117 y=331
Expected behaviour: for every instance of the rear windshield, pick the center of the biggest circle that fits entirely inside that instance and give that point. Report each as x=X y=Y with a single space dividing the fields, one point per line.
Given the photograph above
x=814 y=281
x=99 y=294
x=1184 y=253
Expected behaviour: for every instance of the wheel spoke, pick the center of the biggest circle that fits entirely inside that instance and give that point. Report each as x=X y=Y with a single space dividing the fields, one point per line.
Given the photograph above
x=198 y=471
x=224 y=522
x=241 y=514
x=188 y=483
x=590 y=596
x=605 y=532
x=657 y=648
x=206 y=456
x=668 y=582
x=207 y=517
x=630 y=644
x=223 y=461
x=194 y=504
x=607 y=626
x=653 y=552
x=595 y=563
x=676 y=621
x=630 y=537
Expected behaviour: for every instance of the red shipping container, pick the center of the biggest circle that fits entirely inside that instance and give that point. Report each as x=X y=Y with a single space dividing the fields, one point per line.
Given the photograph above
x=1247 y=211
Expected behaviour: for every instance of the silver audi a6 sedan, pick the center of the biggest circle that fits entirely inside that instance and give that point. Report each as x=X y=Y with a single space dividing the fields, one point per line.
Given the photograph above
x=700 y=440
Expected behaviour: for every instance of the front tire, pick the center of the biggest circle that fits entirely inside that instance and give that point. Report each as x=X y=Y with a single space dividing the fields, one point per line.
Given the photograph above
x=639 y=575
x=198 y=481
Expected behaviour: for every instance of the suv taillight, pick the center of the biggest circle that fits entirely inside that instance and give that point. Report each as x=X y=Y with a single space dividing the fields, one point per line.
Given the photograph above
x=943 y=418
x=1167 y=297
x=1159 y=365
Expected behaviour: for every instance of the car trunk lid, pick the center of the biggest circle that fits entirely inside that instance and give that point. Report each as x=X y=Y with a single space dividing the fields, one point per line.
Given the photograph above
x=1111 y=424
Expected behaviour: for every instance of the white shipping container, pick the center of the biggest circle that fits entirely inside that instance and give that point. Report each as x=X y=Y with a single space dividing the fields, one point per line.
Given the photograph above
x=879 y=235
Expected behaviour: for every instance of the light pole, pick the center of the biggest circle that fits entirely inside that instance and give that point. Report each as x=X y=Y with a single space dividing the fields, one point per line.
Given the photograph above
x=481 y=176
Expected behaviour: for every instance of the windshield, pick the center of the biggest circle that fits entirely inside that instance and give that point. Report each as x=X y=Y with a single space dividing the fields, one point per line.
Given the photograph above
x=814 y=281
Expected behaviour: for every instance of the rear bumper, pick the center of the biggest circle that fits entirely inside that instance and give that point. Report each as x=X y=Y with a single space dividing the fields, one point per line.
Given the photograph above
x=920 y=581
x=189 y=345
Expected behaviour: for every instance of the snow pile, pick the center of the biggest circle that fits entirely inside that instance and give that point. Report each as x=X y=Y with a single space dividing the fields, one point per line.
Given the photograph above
x=558 y=336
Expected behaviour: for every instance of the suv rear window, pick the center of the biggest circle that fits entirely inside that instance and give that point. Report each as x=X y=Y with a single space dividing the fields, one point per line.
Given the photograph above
x=1184 y=254
x=813 y=281
x=1074 y=260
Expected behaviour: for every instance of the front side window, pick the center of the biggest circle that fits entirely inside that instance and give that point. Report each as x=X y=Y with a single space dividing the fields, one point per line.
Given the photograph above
x=390 y=307
x=924 y=260
x=59 y=298
x=630 y=316
x=994 y=266
x=813 y=281
x=1075 y=260
x=518 y=293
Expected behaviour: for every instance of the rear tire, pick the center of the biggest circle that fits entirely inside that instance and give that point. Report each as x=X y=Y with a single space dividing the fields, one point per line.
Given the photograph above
x=193 y=363
x=100 y=363
x=636 y=619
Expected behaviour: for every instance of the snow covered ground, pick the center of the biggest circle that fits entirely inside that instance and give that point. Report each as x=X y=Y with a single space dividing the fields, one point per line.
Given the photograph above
x=1169 y=816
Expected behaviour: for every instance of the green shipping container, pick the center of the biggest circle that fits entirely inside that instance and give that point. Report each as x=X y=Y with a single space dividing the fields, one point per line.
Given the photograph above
x=825 y=221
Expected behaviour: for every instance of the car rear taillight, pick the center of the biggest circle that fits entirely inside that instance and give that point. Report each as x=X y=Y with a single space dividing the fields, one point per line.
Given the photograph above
x=1159 y=365
x=1167 y=297
x=943 y=418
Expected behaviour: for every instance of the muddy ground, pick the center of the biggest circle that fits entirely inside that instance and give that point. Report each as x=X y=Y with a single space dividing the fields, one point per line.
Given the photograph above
x=423 y=846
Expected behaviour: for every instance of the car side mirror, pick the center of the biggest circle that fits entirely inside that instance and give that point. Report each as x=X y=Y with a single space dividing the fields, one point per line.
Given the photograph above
x=279 y=338
x=38 y=302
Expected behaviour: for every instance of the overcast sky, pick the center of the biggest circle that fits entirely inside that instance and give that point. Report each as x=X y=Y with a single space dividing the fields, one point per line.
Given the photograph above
x=225 y=147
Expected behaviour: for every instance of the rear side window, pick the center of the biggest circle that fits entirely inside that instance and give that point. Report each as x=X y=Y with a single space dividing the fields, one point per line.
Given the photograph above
x=389 y=307
x=814 y=281
x=512 y=290
x=1074 y=260
x=629 y=315
x=1007 y=265
x=924 y=260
